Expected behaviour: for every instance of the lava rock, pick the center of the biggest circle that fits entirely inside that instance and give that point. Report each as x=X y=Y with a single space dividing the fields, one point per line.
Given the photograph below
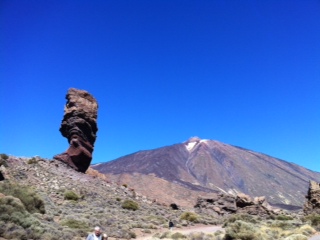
x=79 y=126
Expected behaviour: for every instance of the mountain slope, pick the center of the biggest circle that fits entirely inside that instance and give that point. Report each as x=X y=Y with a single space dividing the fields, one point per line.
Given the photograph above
x=210 y=166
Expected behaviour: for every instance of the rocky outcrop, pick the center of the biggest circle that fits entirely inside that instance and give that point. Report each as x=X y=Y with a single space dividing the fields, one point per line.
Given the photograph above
x=223 y=204
x=312 y=204
x=79 y=126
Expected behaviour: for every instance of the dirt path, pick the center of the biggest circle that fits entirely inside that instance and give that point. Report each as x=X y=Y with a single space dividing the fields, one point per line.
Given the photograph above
x=185 y=230
x=315 y=237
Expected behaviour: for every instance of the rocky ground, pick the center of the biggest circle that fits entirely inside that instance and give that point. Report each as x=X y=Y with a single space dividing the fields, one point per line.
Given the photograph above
x=96 y=201
x=100 y=202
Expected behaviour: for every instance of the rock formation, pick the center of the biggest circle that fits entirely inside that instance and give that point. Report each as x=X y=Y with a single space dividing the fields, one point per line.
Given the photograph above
x=222 y=204
x=312 y=205
x=79 y=126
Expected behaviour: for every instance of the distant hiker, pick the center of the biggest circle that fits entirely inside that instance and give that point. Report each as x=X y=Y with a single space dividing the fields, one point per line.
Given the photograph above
x=104 y=236
x=171 y=225
x=96 y=235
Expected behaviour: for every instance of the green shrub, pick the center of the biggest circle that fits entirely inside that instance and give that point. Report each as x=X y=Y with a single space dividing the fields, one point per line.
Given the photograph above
x=242 y=230
x=242 y=217
x=314 y=219
x=284 y=218
x=32 y=202
x=189 y=216
x=3 y=160
x=129 y=204
x=71 y=195
x=32 y=161
x=284 y=225
x=76 y=224
x=132 y=235
x=4 y=156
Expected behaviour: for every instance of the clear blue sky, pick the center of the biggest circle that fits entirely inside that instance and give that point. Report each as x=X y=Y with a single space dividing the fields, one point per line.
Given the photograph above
x=245 y=73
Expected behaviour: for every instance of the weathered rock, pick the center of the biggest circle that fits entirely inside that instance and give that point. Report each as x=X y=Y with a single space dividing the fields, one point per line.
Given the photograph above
x=222 y=204
x=79 y=126
x=312 y=204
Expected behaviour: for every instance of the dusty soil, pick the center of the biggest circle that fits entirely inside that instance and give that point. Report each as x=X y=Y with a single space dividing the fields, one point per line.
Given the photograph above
x=315 y=237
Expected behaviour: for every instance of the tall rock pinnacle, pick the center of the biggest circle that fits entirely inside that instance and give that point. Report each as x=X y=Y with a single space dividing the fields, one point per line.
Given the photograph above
x=79 y=126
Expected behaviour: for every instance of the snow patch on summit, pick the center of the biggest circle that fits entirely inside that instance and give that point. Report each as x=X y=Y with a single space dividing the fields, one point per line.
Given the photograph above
x=190 y=145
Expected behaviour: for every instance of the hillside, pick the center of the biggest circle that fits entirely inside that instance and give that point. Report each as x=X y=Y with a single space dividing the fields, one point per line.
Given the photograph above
x=197 y=167
x=61 y=203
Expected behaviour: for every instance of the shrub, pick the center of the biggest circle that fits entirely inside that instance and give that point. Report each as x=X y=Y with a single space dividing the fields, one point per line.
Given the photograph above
x=164 y=235
x=76 y=224
x=178 y=235
x=305 y=230
x=189 y=216
x=242 y=217
x=284 y=225
x=174 y=206
x=32 y=202
x=4 y=156
x=32 y=161
x=129 y=204
x=132 y=235
x=71 y=195
x=284 y=218
x=241 y=230
x=314 y=219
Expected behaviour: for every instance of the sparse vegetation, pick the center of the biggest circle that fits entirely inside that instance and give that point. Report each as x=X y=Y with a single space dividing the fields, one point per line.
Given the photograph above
x=103 y=204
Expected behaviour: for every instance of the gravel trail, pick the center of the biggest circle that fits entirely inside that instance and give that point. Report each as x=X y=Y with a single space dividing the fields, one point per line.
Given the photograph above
x=186 y=230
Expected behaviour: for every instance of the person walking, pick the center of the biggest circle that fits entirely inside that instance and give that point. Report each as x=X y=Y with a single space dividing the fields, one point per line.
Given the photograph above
x=96 y=235
x=171 y=225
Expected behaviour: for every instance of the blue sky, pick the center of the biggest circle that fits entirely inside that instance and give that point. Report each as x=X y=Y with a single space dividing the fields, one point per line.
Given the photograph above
x=246 y=73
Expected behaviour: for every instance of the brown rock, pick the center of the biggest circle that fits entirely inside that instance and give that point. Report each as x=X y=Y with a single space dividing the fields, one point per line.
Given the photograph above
x=312 y=204
x=222 y=204
x=79 y=126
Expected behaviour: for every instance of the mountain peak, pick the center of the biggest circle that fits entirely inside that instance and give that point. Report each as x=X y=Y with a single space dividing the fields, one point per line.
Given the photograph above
x=192 y=142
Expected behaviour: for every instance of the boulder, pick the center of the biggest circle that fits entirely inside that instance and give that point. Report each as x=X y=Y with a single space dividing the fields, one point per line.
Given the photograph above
x=312 y=204
x=222 y=204
x=79 y=126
